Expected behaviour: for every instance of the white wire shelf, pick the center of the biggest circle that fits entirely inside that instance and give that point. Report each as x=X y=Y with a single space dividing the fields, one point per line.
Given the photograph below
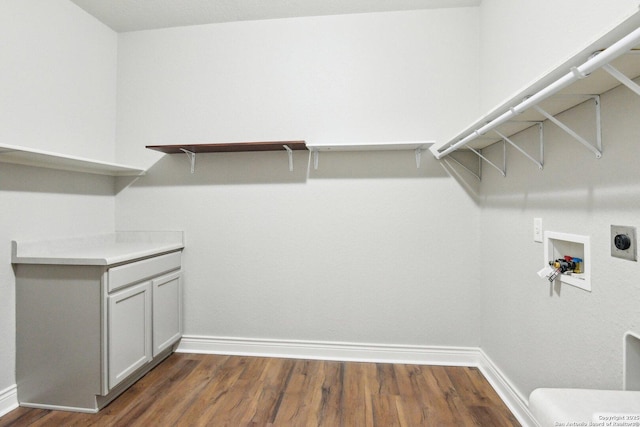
x=416 y=146
x=609 y=62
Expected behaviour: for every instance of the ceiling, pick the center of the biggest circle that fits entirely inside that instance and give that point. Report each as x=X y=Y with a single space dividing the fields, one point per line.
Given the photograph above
x=134 y=15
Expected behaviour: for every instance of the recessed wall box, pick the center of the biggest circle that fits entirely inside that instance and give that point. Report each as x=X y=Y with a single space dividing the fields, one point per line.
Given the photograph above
x=558 y=245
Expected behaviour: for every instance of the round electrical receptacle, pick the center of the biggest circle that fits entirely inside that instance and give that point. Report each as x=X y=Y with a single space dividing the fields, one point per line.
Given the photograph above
x=622 y=242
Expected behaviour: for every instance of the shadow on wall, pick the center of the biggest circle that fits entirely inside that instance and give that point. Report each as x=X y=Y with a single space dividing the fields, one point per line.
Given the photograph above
x=465 y=168
x=573 y=178
x=570 y=182
x=273 y=168
x=21 y=178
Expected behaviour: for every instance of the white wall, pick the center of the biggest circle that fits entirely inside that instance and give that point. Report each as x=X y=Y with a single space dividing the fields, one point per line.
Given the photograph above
x=571 y=338
x=522 y=40
x=562 y=337
x=380 y=77
x=362 y=250
x=57 y=81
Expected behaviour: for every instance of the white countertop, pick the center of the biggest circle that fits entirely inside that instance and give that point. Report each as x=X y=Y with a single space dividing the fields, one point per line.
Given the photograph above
x=102 y=249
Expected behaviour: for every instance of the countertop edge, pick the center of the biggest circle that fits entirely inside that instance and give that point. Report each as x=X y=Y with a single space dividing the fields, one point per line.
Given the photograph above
x=117 y=253
x=97 y=261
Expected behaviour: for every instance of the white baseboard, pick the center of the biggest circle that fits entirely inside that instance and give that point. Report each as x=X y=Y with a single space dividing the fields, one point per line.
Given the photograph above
x=515 y=401
x=352 y=352
x=8 y=399
x=356 y=352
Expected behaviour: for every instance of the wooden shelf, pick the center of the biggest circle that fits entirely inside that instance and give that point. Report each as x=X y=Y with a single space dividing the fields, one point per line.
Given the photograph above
x=193 y=149
x=229 y=147
x=46 y=159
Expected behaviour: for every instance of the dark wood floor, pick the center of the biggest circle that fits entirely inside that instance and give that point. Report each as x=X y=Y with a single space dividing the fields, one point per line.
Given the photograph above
x=209 y=390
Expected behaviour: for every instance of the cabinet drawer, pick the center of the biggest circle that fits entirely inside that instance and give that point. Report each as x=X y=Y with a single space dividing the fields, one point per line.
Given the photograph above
x=141 y=270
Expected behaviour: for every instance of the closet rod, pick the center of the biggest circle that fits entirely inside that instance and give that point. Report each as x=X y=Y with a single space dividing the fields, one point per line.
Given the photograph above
x=617 y=49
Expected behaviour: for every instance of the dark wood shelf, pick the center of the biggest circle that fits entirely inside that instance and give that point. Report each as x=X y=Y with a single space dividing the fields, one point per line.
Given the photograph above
x=228 y=147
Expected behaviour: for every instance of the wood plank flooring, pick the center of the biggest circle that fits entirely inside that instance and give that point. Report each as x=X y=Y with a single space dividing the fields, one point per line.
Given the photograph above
x=211 y=390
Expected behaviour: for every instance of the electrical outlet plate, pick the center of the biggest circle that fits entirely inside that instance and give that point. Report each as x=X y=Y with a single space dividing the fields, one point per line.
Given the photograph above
x=537 y=229
x=631 y=253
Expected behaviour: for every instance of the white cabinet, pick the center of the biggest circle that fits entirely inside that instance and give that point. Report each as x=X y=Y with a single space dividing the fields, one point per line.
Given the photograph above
x=84 y=333
x=144 y=321
x=167 y=311
x=129 y=331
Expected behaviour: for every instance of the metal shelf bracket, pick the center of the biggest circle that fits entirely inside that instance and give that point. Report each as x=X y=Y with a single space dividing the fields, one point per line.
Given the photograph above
x=622 y=47
x=594 y=148
x=622 y=78
x=192 y=158
x=290 y=154
x=538 y=163
x=418 y=156
x=478 y=175
x=503 y=170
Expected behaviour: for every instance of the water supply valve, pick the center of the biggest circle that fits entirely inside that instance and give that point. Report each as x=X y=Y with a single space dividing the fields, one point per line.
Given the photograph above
x=564 y=265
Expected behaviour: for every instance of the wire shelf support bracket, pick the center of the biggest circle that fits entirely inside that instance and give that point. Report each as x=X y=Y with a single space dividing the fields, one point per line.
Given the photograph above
x=602 y=60
x=622 y=78
x=540 y=162
x=503 y=170
x=594 y=148
x=477 y=175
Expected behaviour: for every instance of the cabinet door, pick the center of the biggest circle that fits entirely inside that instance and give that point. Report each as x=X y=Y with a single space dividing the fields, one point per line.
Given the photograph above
x=129 y=331
x=167 y=311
